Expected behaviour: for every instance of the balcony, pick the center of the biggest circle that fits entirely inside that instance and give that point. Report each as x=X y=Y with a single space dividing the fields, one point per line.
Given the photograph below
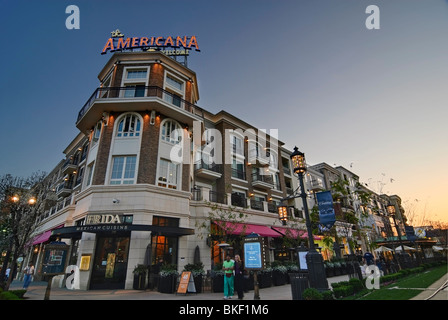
x=262 y=181
x=64 y=189
x=257 y=159
x=238 y=201
x=207 y=171
x=256 y=205
x=317 y=185
x=142 y=98
x=218 y=197
x=239 y=174
x=69 y=167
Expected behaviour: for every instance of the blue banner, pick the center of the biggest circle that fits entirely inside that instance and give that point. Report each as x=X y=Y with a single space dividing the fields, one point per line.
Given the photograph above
x=327 y=216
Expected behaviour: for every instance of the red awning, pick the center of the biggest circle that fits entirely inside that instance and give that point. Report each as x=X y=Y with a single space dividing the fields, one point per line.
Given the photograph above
x=295 y=233
x=245 y=229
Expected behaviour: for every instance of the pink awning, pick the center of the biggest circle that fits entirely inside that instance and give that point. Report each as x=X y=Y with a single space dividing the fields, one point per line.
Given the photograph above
x=43 y=237
x=245 y=229
x=295 y=233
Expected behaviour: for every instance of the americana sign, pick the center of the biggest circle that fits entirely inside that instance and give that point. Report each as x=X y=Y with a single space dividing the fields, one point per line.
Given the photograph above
x=171 y=45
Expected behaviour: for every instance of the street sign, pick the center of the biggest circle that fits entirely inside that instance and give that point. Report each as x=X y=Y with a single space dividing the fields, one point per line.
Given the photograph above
x=254 y=253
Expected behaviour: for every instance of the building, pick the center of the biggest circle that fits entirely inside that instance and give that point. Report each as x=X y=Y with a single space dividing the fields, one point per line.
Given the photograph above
x=147 y=169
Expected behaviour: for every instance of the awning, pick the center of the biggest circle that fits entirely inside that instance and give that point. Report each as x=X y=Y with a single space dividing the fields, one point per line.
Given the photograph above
x=43 y=237
x=245 y=229
x=294 y=233
x=76 y=231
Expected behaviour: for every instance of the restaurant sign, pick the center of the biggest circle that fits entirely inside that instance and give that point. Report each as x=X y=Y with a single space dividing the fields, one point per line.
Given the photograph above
x=171 y=45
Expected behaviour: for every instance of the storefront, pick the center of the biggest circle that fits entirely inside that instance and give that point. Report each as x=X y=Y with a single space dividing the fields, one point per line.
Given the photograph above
x=108 y=252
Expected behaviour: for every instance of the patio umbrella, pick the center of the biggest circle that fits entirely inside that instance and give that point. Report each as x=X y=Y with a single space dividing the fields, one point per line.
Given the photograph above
x=383 y=249
x=148 y=254
x=437 y=248
x=405 y=248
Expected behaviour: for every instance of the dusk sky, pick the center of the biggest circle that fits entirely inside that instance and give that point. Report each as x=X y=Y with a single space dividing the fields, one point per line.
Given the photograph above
x=373 y=101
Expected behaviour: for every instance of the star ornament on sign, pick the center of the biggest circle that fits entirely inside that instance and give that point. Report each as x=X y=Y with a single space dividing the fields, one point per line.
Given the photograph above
x=116 y=34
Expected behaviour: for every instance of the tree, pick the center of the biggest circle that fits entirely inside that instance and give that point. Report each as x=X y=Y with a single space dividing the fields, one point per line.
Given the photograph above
x=20 y=205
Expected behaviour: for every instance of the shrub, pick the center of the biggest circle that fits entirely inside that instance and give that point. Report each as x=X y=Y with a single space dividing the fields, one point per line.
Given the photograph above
x=356 y=284
x=312 y=294
x=327 y=295
x=343 y=291
x=18 y=293
x=7 y=295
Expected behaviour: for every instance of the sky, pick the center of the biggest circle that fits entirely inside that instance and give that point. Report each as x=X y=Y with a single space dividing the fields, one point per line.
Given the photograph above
x=370 y=100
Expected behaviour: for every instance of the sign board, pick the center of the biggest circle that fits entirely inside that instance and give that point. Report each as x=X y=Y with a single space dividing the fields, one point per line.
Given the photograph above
x=178 y=45
x=85 y=262
x=327 y=215
x=302 y=260
x=254 y=253
x=186 y=283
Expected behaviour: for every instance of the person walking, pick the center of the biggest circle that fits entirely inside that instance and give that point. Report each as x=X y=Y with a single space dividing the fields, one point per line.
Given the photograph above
x=239 y=277
x=228 y=266
x=28 y=271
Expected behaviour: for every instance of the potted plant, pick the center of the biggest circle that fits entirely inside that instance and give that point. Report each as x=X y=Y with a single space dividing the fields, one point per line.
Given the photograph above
x=168 y=278
x=218 y=278
x=140 y=277
x=291 y=267
x=197 y=271
x=279 y=272
x=337 y=268
x=264 y=278
x=329 y=269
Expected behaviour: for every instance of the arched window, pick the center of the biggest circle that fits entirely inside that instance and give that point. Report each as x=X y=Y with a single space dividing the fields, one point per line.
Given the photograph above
x=171 y=132
x=129 y=126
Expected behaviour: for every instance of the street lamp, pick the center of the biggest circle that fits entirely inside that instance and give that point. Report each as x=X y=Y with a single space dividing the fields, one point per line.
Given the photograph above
x=403 y=256
x=317 y=276
x=283 y=214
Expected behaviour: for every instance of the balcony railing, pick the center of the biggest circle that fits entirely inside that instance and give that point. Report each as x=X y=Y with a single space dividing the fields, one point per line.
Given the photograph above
x=132 y=92
x=218 y=197
x=238 y=201
x=211 y=167
x=256 y=205
x=256 y=177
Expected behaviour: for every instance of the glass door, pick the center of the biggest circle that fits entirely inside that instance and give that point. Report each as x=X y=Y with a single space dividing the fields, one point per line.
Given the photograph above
x=110 y=263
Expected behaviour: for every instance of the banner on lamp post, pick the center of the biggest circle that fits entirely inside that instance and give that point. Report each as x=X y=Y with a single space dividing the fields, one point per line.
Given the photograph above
x=327 y=216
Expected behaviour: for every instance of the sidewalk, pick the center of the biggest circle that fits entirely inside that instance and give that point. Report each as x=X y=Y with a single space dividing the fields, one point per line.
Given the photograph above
x=442 y=295
x=36 y=291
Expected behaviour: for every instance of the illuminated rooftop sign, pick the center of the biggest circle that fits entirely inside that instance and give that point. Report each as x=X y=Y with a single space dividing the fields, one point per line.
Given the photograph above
x=178 y=45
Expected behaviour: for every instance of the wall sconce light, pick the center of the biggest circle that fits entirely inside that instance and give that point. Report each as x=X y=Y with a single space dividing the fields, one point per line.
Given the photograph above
x=105 y=118
x=152 y=120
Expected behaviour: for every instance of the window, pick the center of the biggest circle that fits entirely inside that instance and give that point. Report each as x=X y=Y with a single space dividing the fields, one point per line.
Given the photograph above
x=176 y=84
x=129 y=126
x=171 y=132
x=134 y=82
x=237 y=145
x=238 y=169
x=136 y=74
x=174 y=90
x=134 y=91
x=168 y=173
x=123 y=170
x=96 y=133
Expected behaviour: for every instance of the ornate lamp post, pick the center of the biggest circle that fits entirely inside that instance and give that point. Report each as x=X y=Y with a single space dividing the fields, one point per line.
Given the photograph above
x=402 y=256
x=316 y=270
x=283 y=214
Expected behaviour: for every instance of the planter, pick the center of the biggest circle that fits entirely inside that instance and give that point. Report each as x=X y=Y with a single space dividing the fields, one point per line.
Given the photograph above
x=139 y=281
x=329 y=271
x=218 y=283
x=264 y=279
x=198 y=283
x=278 y=278
x=249 y=283
x=167 y=284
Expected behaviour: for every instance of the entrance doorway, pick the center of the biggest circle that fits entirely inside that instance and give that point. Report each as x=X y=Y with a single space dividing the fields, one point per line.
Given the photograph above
x=110 y=263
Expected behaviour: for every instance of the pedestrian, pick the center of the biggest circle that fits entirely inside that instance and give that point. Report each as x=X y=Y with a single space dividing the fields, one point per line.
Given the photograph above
x=7 y=273
x=28 y=271
x=239 y=277
x=228 y=266
x=369 y=258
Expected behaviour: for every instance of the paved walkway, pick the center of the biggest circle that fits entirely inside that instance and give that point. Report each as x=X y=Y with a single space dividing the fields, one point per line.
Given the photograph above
x=431 y=290
x=36 y=291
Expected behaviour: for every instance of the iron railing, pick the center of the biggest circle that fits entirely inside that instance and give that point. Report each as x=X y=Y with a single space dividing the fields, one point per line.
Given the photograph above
x=132 y=92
